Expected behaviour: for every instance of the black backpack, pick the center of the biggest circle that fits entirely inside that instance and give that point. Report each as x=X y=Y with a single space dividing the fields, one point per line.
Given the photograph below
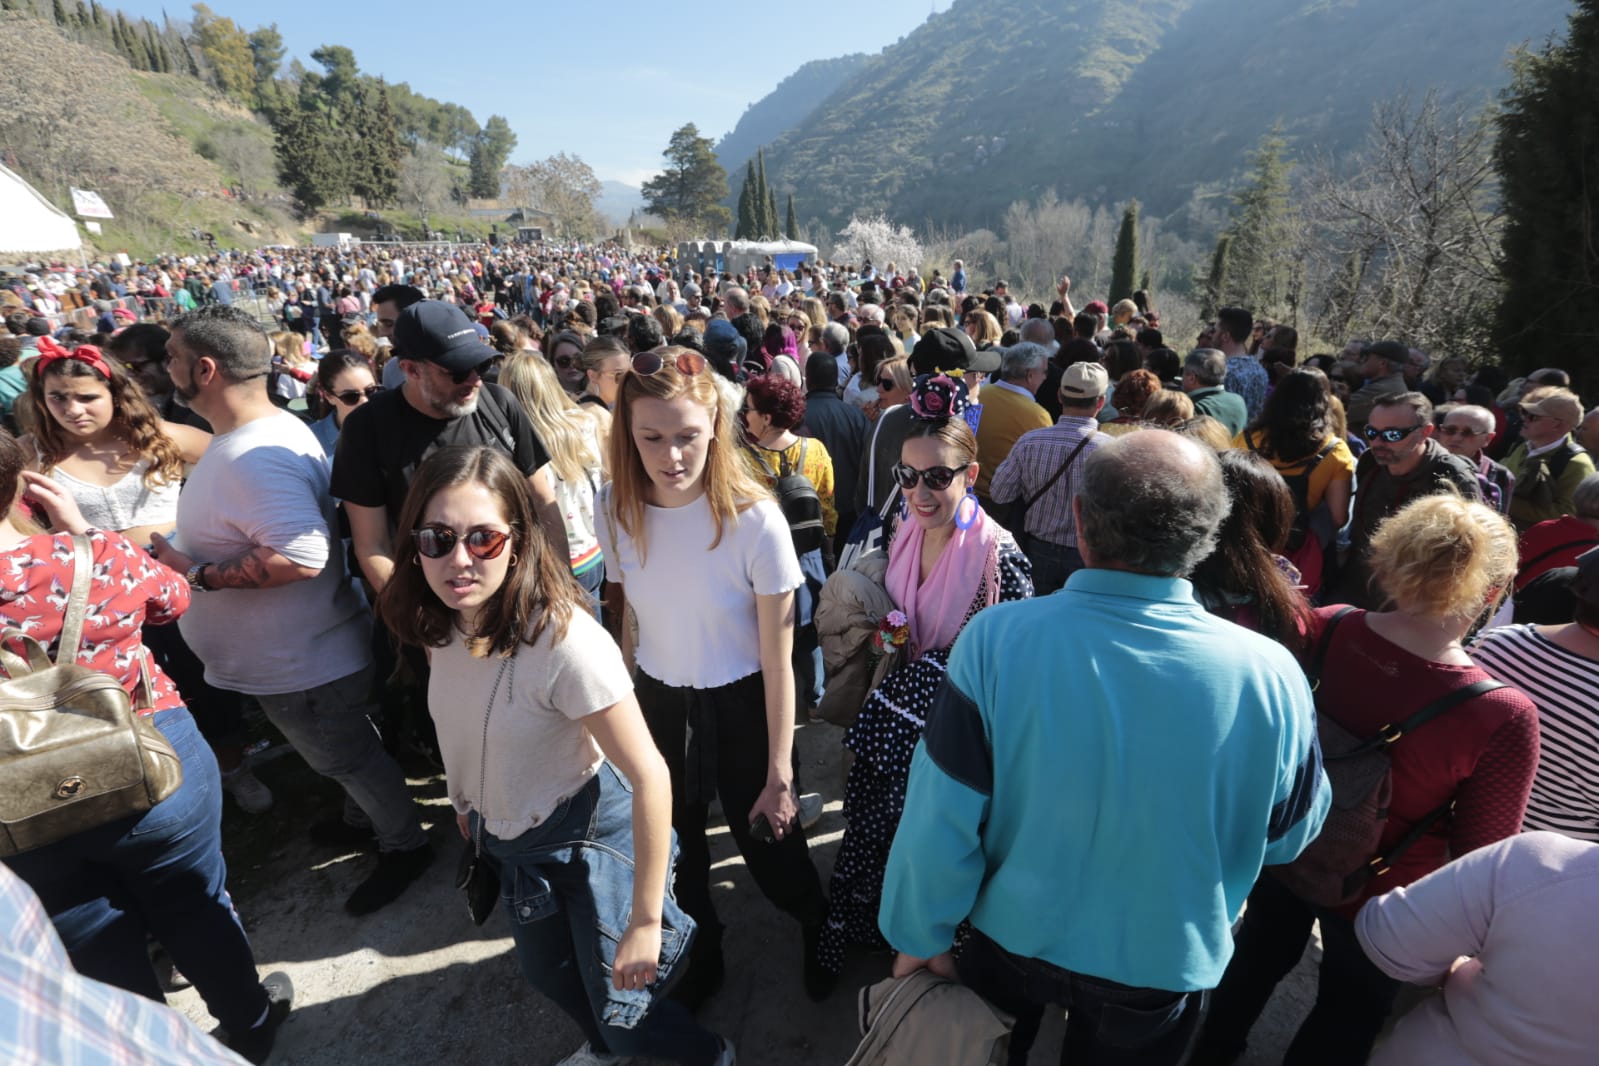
x=800 y=504
x=1299 y=485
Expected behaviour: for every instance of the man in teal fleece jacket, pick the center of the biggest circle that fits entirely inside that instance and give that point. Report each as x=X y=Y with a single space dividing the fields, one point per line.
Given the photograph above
x=1104 y=772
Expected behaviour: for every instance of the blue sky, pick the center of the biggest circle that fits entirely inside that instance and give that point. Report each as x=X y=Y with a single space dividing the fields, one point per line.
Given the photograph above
x=608 y=82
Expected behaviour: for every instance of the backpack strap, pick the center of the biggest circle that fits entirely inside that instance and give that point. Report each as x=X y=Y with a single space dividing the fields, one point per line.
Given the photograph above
x=498 y=421
x=77 y=600
x=1314 y=673
x=1035 y=497
x=1382 y=863
x=1389 y=734
x=1316 y=459
x=759 y=458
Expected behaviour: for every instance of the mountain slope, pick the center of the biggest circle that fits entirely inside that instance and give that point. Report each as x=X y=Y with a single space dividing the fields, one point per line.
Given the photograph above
x=784 y=107
x=997 y=100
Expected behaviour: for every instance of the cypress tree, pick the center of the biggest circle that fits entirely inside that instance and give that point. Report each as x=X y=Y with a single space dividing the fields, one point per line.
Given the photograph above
x=745 y=229
x=1216 y=281
x=1124 y=265
x=97 y=15
x=1260 y=230
x=80 y=17
x=771 y=215
x=765 y=223
x=791 y=226
x=60 y=13
x=1547 y=154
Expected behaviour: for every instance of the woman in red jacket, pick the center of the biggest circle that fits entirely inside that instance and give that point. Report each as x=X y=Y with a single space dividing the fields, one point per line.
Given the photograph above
x=1443 y=562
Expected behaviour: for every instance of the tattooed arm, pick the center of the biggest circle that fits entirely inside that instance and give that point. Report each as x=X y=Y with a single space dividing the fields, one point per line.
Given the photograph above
x=258 y=568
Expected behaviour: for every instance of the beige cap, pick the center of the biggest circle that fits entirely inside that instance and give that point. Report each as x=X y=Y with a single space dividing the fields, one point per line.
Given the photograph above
x=1084 y=381
x=1554 y=402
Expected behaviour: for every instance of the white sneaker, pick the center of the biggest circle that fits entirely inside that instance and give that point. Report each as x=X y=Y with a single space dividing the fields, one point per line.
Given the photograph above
x=727 y=1058
x=810 y=808
x=247 y=791
x=587 y=1056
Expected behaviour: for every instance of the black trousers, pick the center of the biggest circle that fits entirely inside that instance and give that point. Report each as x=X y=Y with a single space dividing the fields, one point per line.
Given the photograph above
x=1107 y=1023
x=724 y=752
x=1353 y=997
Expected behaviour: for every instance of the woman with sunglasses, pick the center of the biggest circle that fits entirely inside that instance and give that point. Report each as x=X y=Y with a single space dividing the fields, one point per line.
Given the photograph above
x=344 y=381
x=947 y=560
x=704 y=557
x=1460 y=781
x=605 y=363
x=565 y=352
x=893 y=384
x=549 y=765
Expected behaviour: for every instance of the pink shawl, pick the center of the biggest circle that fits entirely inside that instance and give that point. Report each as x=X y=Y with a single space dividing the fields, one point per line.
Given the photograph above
x=937 y=607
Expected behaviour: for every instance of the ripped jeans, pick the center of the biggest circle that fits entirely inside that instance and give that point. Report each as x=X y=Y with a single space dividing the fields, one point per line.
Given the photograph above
x=567 y=886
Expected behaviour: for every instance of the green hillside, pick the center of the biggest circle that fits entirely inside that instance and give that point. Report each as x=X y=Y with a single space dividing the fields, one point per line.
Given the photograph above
x=994 y=101
x=795 y=97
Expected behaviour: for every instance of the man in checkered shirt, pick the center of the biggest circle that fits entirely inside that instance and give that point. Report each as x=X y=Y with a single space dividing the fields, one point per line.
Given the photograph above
x=1030 y=473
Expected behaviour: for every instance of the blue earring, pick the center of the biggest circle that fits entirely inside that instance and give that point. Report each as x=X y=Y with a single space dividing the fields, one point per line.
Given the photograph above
x=964 y=522
x=904 y=507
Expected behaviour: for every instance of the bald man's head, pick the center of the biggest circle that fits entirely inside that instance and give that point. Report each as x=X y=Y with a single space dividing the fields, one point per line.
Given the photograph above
x=1150 y=502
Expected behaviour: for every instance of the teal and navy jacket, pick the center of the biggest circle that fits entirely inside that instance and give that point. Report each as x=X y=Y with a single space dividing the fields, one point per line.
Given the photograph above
x=1104 y=772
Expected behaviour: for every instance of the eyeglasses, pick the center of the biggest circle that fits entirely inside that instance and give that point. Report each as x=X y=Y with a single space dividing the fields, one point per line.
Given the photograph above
x=1392 y=436
x=648 y=364
x=937 y=477
x=350 y=397
x=885 y=384
x=1460 y=431
x=1531 y=417
x=564 y=362
x=435 y=542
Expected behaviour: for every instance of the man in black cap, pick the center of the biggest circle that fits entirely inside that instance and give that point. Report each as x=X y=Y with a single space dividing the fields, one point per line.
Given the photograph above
x=444 y=401
x=1383 y=366
x=938 y=351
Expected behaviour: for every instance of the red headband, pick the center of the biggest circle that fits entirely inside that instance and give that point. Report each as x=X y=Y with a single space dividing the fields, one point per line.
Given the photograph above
x=50 y=352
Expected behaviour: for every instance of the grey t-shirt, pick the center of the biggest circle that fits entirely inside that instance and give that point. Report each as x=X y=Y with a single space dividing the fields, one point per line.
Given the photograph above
x=266 y=484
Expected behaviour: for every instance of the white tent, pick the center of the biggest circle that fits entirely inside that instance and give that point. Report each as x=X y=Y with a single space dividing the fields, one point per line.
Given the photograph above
x=30 y=224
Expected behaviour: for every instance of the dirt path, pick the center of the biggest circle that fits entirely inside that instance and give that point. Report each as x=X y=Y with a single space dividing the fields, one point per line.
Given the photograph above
x=418 y=985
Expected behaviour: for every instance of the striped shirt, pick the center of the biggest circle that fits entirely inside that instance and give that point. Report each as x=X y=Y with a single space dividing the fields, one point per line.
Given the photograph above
x=1565 y=687
x=1035 y=459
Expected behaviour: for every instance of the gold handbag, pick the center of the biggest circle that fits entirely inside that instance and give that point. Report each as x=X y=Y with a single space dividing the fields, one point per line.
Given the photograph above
x=74 y=755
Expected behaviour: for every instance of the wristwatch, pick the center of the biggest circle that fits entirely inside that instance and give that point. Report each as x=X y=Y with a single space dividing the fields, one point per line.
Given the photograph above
x=195 y=575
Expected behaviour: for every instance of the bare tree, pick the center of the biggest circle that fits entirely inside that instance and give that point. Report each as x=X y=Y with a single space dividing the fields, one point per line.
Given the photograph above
x=424 y=183
x=565 y=186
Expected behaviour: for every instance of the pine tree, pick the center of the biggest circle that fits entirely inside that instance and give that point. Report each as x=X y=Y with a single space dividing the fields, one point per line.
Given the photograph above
x=1547 y=155
x=377 y=173
x=1260 y=252
x=791 y=225
x=691 y=187
x=744 y=230
x=1124 y=264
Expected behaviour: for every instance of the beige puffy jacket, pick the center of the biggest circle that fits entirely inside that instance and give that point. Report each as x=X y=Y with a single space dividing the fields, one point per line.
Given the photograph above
x=852 y=604
x=925 y=1020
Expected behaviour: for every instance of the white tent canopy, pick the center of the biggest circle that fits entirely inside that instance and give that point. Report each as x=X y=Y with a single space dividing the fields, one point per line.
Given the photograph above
x=30 y=224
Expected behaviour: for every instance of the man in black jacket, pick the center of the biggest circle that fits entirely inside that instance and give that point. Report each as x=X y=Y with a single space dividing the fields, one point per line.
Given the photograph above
x=842 y=429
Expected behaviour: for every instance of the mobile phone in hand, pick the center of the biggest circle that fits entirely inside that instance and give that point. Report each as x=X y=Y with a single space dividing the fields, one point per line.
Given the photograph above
x=761 y=830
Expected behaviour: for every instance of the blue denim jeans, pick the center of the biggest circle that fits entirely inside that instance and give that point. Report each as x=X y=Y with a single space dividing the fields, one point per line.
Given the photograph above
x=567 y=886
x=332 y=729
x=1107 y=1023
x=161 y=874
x=1052 y=563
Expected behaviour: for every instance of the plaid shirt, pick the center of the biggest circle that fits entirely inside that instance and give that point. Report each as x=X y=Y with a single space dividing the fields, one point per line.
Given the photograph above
x=1033 y=461
x=52 y=1016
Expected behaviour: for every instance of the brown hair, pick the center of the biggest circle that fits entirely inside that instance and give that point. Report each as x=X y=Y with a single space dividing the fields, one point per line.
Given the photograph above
x=133 y=420
x=13 y=461
x=539 y=592
x=951 y=431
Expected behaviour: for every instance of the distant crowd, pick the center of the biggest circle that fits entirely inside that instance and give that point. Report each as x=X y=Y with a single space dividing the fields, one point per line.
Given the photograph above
x=1146 y=654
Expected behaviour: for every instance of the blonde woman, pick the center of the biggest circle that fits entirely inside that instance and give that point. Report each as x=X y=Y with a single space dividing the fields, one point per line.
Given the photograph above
x=1168 y=408
x=571 y=434
x=670 y=319
x=982 y=328
x=294 y=369
x=893 y=385
x=1460 y=781
x=703 y=555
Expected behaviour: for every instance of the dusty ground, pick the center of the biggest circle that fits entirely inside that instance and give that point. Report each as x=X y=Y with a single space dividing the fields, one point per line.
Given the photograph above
x=418 y=984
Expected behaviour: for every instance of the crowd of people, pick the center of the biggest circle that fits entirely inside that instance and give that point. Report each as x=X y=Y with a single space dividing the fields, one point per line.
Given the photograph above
x=1120 y=643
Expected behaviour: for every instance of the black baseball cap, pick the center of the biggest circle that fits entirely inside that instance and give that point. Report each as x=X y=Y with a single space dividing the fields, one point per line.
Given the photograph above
x=440 y=332
x=948 y=348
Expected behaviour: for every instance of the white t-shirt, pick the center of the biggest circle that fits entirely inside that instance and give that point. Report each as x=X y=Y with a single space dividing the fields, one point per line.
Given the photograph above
x=697 y=625
x=266 y=484
x=539 y=751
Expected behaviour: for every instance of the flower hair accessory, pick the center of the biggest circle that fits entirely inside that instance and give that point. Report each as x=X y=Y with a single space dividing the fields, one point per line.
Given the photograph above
x=935 y=397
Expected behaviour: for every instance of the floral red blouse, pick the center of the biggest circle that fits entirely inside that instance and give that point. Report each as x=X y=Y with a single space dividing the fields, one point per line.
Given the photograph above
x=128 y=591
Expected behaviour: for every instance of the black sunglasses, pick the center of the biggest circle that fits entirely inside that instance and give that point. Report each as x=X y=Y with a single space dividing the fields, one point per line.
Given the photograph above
x=938 y=478
x=435 y=542
x=648 y=364
x=1392 y=436
x=353 y=396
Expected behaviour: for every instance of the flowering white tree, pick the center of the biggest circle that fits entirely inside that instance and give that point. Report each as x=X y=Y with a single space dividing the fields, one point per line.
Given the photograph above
x=877 y=239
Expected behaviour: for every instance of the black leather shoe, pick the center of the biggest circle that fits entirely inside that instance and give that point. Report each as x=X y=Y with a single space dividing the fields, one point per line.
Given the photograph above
x=395 y=872
x=337 y=833
x=255 y=1044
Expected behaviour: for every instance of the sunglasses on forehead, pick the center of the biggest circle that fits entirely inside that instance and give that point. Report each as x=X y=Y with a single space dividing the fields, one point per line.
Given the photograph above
x=648 y=364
